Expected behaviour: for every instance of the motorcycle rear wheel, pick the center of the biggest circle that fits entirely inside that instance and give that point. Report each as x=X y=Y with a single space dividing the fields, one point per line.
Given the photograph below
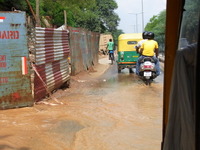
x=148 y=82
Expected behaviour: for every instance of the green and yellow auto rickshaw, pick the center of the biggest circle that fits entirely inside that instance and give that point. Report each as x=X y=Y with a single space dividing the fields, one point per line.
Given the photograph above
x=127 y=55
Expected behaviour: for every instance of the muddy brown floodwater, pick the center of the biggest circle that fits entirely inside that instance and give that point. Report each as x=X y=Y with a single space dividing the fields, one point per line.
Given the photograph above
x=102 y=110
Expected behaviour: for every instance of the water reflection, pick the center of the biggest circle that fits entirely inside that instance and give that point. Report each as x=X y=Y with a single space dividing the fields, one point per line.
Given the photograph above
x=112 y=77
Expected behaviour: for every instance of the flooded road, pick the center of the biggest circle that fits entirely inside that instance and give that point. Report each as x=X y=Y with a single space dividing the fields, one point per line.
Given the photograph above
x=98 y=112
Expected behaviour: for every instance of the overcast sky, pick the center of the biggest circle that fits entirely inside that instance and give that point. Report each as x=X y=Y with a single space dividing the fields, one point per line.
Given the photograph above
x=129 y=9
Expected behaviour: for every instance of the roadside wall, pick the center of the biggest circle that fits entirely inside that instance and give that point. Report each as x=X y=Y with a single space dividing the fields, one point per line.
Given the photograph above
x=84 y=49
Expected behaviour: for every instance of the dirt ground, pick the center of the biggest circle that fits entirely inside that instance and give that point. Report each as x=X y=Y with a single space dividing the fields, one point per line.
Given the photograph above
x=90 y=115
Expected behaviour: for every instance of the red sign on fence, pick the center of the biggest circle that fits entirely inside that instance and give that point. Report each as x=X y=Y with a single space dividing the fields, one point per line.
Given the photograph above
x=2 y=61
x=2 y=19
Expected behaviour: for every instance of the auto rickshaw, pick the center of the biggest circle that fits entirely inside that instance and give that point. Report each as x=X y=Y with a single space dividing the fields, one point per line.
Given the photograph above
x=127 y=55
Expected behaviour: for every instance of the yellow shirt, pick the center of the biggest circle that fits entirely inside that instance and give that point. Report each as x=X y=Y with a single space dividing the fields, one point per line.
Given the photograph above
x=148 y=47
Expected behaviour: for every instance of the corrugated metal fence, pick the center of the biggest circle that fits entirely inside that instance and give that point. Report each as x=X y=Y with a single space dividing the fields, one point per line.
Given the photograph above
x=51 y=61
x=84 y=49
x=49 y=50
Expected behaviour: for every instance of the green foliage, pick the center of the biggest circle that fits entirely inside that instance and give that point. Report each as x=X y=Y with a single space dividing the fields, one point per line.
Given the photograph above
x=108 y=18
x=189 y=23
x=157 y=25
x=190 y=20
x=116 y=34
x=93 y=15
x=8 y=5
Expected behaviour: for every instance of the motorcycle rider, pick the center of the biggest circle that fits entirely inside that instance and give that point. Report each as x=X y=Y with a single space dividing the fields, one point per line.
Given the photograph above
x=144 y=36
x=149 y=48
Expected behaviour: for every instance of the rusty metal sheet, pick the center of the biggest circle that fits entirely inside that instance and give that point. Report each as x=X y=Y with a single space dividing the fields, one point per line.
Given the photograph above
x=95 y=47
x=84 y=49
x=75 y=54
x=51 y=65
x=15 y=80
x=53 y=76
x=51 y=45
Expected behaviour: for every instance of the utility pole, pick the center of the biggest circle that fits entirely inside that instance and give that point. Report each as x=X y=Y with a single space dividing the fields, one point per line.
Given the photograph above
x=136 y=20
x=136 y=24
x=142 y=17
x=38 y=13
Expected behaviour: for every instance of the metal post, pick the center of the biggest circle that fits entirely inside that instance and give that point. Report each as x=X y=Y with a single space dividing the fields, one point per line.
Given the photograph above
x=142 y=17
x=136 y=21
x=136 y=24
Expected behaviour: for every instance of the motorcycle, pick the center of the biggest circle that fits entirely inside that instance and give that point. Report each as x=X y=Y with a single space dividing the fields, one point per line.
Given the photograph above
x=147 y=70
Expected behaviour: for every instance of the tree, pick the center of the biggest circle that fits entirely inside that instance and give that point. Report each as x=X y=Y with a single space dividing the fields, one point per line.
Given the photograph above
x=191 y=20
x=7 y=5
x=109 y=20
x=157 y=25
x=94 y=15
x=116 y=34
